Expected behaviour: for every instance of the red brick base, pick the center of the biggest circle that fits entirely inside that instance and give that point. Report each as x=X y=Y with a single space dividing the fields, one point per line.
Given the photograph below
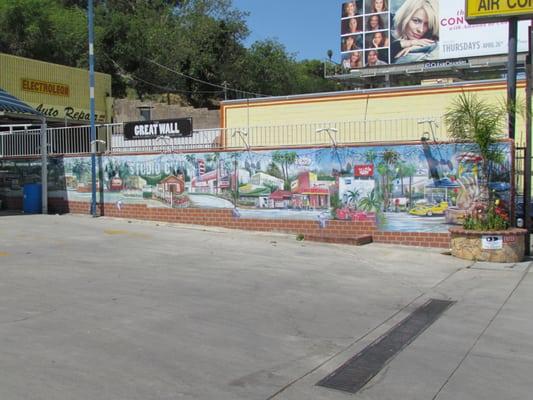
x=335 y=231
x=11 y=203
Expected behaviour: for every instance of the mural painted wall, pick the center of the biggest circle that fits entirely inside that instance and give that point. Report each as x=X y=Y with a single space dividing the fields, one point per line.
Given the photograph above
x=423 y=187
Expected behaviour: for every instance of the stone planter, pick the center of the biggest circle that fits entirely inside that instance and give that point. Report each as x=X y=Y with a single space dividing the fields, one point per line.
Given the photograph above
x=496 y=246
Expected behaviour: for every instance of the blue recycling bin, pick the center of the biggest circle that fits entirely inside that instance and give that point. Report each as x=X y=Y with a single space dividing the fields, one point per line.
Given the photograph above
x=31 y=202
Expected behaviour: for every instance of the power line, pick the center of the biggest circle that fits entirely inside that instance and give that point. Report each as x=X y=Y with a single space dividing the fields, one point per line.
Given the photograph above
x=136 y=78
x=168 y=89
x=202 y=81
x=165 y=88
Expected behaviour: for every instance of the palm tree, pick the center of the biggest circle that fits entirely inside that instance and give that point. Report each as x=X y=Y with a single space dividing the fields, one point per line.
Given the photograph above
x=191 y=159
x=471 y=119
x=410 y=171
x=387 y=169
x=384 y=184
x=401 y=171
x=352 y=196
x=371 y=156
x=370 y=202
x=390 y=157
x=284 y=159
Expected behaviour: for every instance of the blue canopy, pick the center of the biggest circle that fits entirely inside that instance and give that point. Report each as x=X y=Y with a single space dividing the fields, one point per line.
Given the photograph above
x=10 y=104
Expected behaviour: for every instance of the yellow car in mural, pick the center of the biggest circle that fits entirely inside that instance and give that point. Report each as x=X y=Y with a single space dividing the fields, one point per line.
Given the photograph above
x=430 y=210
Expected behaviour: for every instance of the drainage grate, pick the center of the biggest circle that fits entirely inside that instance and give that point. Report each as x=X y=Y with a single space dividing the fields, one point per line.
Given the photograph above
x=357 y=371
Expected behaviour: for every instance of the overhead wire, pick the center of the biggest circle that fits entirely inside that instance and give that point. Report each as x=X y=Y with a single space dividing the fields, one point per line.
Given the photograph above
x=136 y=78
x=165 y=88
x=204 y=82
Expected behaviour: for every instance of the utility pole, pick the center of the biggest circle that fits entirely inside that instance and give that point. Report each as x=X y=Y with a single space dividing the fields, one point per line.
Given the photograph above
x=225 y=84
x=90 y=13
x=527 y=153
x=511 y=76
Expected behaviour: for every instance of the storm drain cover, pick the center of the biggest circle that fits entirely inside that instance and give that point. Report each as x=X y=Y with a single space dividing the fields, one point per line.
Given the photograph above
x=362 y=367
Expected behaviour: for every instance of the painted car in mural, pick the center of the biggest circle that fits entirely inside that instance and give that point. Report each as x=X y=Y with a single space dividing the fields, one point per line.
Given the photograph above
x=430 y=210
x=419 y=187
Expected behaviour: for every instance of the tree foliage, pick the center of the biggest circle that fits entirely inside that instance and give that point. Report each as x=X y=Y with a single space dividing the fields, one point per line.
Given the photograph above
x=159 y=46
x=470 y=118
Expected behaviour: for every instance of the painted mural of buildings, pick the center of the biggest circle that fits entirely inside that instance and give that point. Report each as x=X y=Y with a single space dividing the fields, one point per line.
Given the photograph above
x=172 y=184
x=405 y=187
x=216 y=181
x=309 y=192
x=170 y=190
x=116 y=184
x=280 y=199
x=135 y=182
x=263 y=179
x=208 y=182
x=350 y=187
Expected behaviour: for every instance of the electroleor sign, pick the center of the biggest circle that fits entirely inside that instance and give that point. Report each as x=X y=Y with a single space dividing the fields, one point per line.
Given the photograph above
x=498 y=10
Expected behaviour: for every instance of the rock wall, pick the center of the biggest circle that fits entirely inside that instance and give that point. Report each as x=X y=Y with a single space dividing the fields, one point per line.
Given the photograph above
x=125 y=110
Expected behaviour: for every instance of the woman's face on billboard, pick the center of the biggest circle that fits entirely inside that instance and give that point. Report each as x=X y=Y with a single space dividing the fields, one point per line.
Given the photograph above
x=378 y=5
x=372 y=57
x=350 y=9
x=374 y=22
x=349 y=42
x=417 y=27
x=353 y=25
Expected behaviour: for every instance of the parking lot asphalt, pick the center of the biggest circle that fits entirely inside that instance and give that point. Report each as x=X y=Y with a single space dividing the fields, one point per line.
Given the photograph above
x=100 y=308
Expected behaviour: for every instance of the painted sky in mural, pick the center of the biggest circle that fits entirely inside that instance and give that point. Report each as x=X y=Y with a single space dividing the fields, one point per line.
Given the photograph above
x=409 y=188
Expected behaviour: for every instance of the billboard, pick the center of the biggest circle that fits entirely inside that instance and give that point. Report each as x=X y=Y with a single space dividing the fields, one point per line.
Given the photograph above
x=384 y=32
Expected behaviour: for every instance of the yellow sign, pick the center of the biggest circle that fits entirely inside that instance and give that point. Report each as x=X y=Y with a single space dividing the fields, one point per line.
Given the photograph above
x=54 y=89
x=498 y=10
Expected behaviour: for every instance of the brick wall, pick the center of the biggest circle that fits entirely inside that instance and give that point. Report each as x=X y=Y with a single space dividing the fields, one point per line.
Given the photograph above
x=11 y=203
x=223 y=218
x=423 y=239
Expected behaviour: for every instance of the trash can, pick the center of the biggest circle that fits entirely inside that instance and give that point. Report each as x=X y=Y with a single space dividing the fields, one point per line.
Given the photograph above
x=31 y=202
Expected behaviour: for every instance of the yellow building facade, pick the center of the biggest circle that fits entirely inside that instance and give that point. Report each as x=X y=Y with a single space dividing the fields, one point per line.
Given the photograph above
x=59 y=92
x=361 y=116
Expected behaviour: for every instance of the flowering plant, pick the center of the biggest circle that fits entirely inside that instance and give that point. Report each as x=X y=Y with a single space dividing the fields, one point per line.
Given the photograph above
x=491 y=218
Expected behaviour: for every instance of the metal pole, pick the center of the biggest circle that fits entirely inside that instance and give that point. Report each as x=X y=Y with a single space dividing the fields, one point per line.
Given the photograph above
x=225 y=84
x=91 y=94
x=44 y=168
x=527 y=155
x=511 y=76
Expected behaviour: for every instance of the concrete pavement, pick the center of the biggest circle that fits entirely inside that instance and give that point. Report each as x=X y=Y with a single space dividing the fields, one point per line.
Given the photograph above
x=115 y=309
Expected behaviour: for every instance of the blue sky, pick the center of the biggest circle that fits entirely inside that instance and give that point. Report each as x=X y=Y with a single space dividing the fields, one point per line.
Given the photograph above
x=307 y=28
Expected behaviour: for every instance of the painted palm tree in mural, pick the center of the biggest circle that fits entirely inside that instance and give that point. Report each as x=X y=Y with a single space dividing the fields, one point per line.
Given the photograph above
x=235 y=157
x=285 y=159
x=352 y=196
x=401 y=173
x=371 y=156
x=81 y=168
x=383 y=184
x=124 y=170
x=387 y=171
x=371 y=202
x=191 y=159
x=410 y=171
